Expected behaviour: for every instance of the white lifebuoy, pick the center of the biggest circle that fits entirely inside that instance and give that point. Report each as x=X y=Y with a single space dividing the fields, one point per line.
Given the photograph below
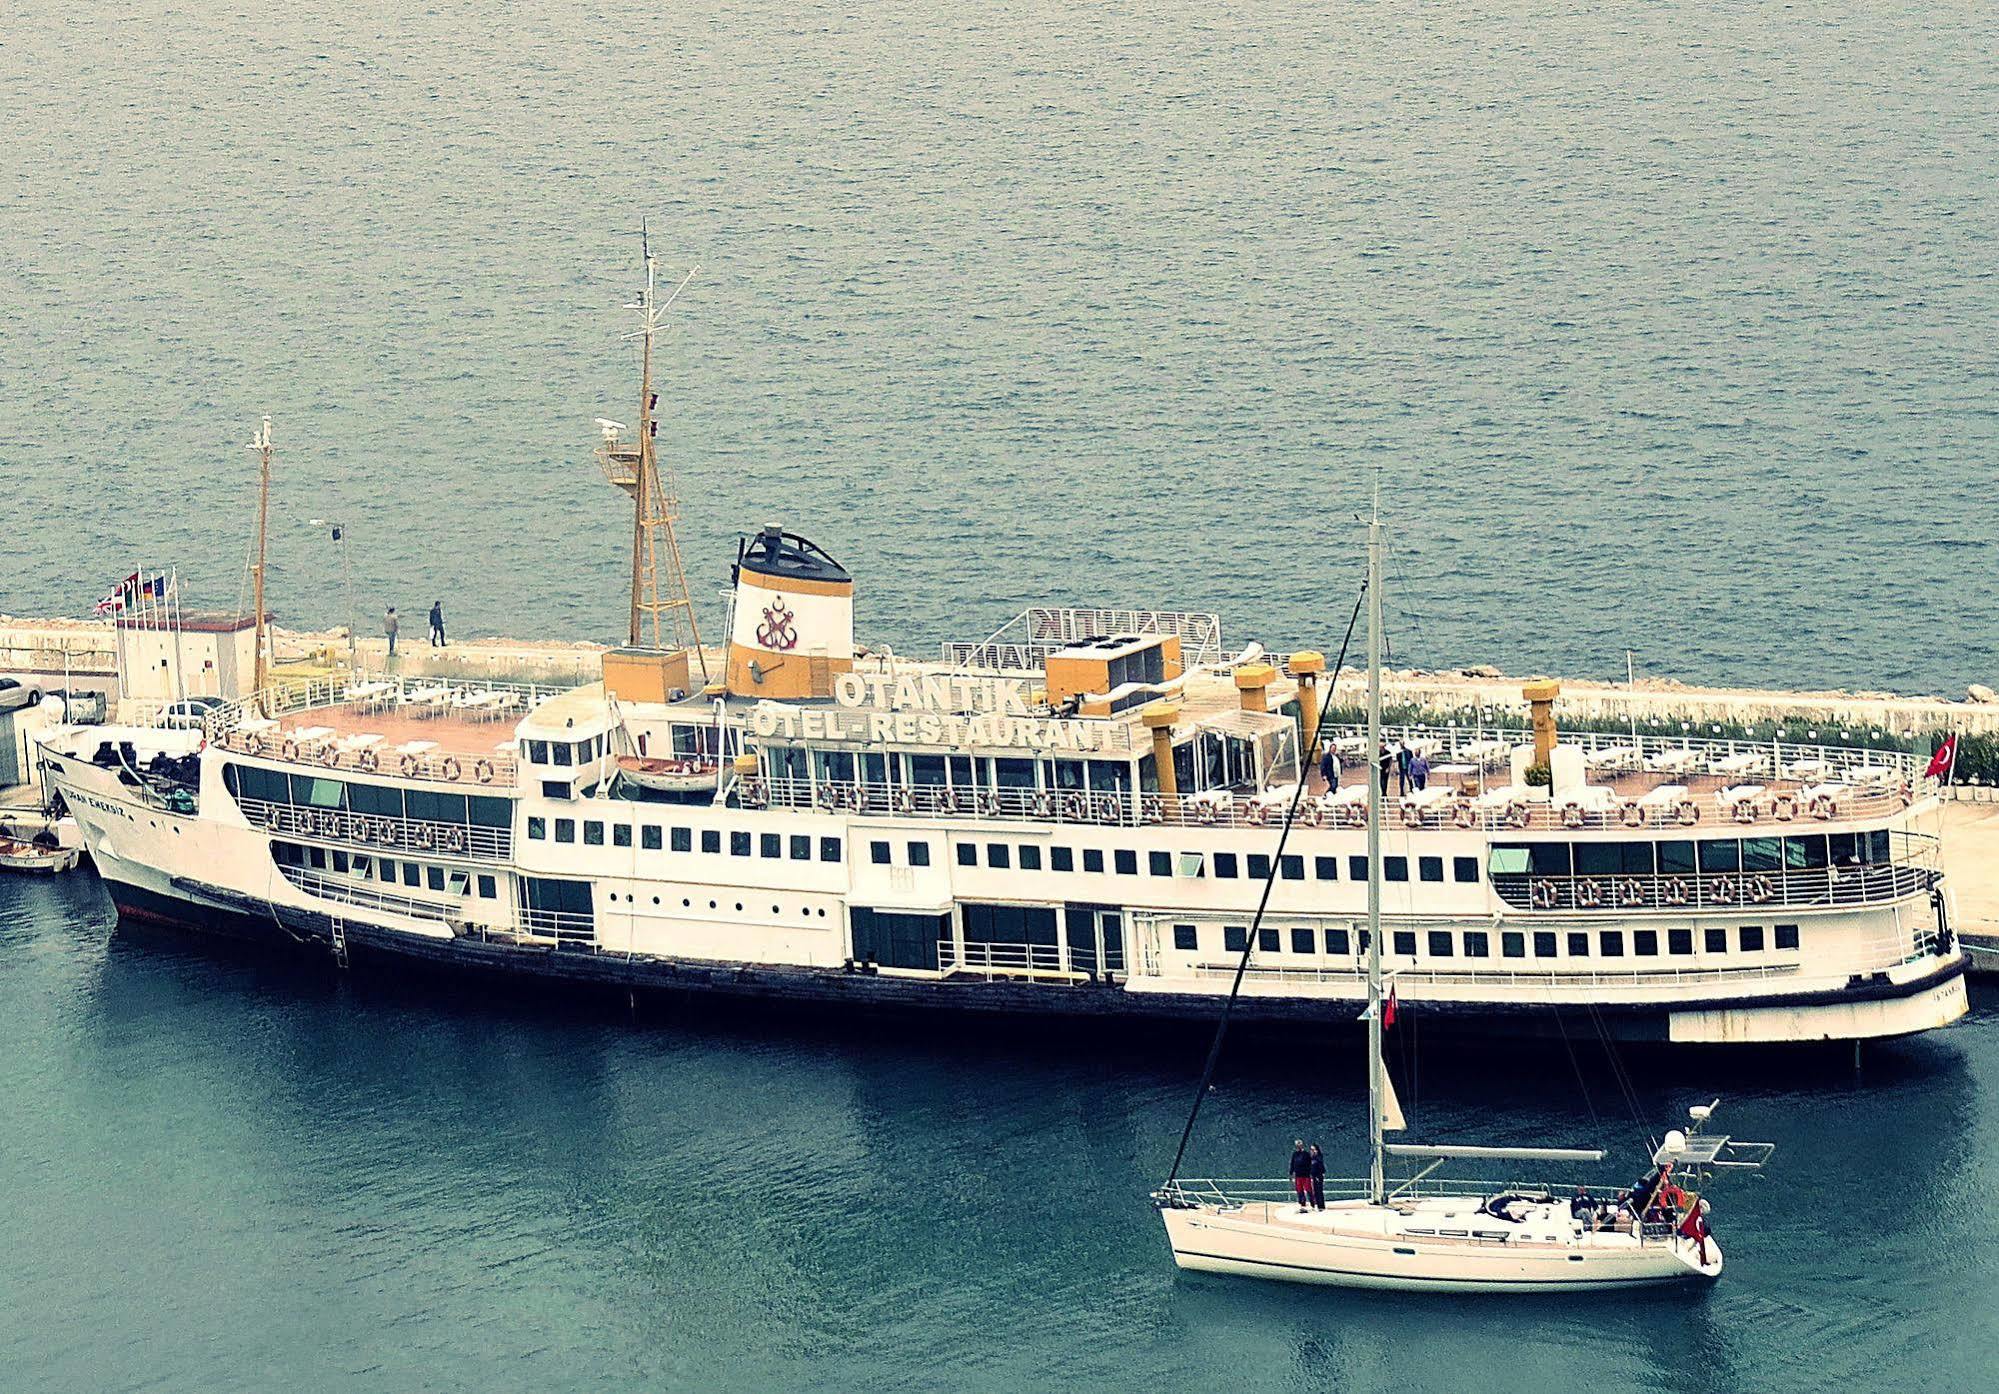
x=1822 y=806
x=1151 y=808
x=454 y=839
x=451 y=769
x=1044 y=804
x=1908 y=794
x=1785 y=807
x=1686 y=813
x=1257 y=815
x=1721 y=890
x=1518 y=815
x=989 y=804
x=1544 y=894
x=1631 y=815
x=1075 y=807
x=1353 y=814
x=752 y=795
x=1761 y=888
x=1589 y=895
x=947 y=800
x=1630 y=892
x=1313 y=813
x=1676 y=891
x=482 y=770
x=289 y=750
x=1204 y=812
x=1572 y=815
x=1462 y=816
x=827 y=798
x=407 y=765
x=329 y=756
x=905 y=799
x=367 y=762
x=1744 y=811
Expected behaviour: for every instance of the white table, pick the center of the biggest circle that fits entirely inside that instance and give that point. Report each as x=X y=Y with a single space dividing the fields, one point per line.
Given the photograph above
x=1665 y=796
x=1668 y=761
x=1740 y=764
x=1454 y=774
x=1431 y=797
x=1616 y=756
x=1807 y=769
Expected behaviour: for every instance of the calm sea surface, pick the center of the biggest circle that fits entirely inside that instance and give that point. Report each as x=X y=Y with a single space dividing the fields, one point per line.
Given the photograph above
x=1664 y=326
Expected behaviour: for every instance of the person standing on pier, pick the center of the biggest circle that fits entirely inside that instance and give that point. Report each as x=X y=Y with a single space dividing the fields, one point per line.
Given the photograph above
x=1301 y=1174
x=390 y=624
x=437 y=624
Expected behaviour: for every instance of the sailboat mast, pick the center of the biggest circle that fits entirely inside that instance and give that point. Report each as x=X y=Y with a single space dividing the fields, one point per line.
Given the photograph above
x=642 y=507
x=262 y=445
x=1376 y=793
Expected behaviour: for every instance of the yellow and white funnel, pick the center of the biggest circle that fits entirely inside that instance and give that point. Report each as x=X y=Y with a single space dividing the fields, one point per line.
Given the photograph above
x=793 y=630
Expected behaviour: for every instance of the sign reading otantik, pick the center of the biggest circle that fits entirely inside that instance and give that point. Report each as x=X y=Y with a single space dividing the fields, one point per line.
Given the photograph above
x=974 y=712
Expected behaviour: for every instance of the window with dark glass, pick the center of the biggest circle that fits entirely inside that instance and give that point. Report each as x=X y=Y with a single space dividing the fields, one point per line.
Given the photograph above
x=1259 y=866
x=968 y=854
x=537 y=828
x=1303 y=941
x=1440 y=943
x=1267 y=941
x=1544 y=943
x=1714 y=941
x=1610 y=943
x=1679 y=941
x=1061 y=859
x=1598 y=859
x=683 y=839
x=1325 y=868
x=1093 y=859
x=562 y=751
x=412 y=874
x=1721 y=856
x=565 y=830
x=1337 y=942
x=878 y=853
x=1477 y=944
x=919 y=853
x=1234 y=937
x=487 y=889
x=1126 y=861
x=1356 y=868
x=1762 y=854
x=1806 y=853
x=1464 y=868
x=1786 y=936
x=739 y=844
x=651 y=837
x=999 y=856
x=1751 y=936
x=621 y=834
x=711 y=839
x=770 y=845
x=1291 y=867
x=1030 y=856
x=801 y=847
x=434 y=877
x=1645 y=943
x=1430 y=868
x=1185 y=937
x=1513 y=944
x=1225 y=865
x=1578 y=944
x=1677 y=859
x=1159 y=863
x=1404 y=942
x=829 y=849
x=1395 y=868
x=1549 y=859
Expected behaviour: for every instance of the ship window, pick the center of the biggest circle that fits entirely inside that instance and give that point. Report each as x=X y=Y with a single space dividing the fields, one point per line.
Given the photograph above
x=1291 y=867
x=1464 y=868
x=770 y=845
x=435 y=808
x=829 y=849
x=1635 y=858
x=1405 y=942
x=380 y=801
x=1610 y=943
x=488 y=888
x=565 y=830
x=1030 y=857
x=1513 y=944
x=434 y=877
x=878 y=853
x=1805 y=853
x=537 y=829
x=459 y=883
x=1679 y=941
x=1548 y=858
x=562 y=752
x=801 y=847
x=926 y=769
x=1186 y=937
x=1070 y=774
x=897 y=940
x=739 y=844
x=1267 y=940
x=711 y=840
x=593 y=833
x=1356 y=868
x=340 y=863
x=919 y=854
x=1430 y=868
x=1325 y=868
x=1751 y=936
x=999 y=856
x=1126 y=861
x=537 y=752
x=1598 y=859
x=1159 y=863
x=1440 y=943
x=554 y=789
x=1578 y=944
x=484 y=812
x=1477 y=944
x=1762 y=854
x=1337 y=942
x=1721 y=856
x=1061 y=859
x=1303 y=941
x=1395 y=868
x=319 y=793
x=1787 y=936
x=1506 y=861
x=1234 y=938
x=412 y=874
x=1715 y=941
x=1677 y=859
x=1093 y=859
x=1877 y=846
x=1645 y=943
x=1544 y=943
x=1013 y=774
x=681 y=839
x=621 y=834
x=651 y=837
x=1259 y=867
x=968 y=854
x=364 y=867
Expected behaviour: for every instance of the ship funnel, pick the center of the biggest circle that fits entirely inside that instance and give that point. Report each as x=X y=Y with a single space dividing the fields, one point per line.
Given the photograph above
x=793 y=632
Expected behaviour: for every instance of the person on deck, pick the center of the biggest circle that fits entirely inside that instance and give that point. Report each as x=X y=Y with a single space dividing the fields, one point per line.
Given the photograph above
x=1329 y=767
x=1387 y=767
x=390 y=624
x=1318 y=1178
x=1419 y=770
x=1301 y=1174
x=437 y=624
x=1402 y=759
x=1581 y=1207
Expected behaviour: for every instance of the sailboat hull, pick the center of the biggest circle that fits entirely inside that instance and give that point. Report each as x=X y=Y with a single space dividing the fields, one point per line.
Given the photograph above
x=1367 y=1247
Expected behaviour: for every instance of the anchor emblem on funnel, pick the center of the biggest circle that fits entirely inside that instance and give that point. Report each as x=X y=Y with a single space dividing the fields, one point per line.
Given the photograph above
x=777 y=631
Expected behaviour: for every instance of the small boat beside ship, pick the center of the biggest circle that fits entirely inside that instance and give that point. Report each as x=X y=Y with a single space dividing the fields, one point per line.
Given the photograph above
x=37 y=859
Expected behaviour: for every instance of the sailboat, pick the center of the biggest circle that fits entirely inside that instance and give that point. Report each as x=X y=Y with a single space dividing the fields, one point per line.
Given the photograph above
x=1428 y=1233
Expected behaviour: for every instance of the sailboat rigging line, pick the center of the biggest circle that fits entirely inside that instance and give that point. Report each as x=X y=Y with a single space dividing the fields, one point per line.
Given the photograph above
x=1618 y=1072
x=1269 y=882
x=1576 y=1065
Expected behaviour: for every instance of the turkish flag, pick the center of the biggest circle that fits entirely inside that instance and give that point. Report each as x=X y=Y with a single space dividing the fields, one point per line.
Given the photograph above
x=1388 y=1009
x=1943 y=761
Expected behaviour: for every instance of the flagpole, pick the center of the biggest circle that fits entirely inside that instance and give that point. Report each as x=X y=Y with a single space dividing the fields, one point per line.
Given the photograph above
x=1376 y=791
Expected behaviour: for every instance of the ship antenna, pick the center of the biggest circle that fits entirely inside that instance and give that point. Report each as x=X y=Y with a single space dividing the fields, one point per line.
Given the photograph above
x=262 y=445
x=1377 y=790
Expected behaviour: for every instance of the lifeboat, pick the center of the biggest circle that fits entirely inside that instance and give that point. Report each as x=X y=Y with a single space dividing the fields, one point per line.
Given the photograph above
x=684 y=775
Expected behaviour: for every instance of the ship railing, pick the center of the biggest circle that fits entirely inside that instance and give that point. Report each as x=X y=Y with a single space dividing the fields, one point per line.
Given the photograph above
x=1004 y=960
x=368 y=897
x=567 y=928
x=1023 y=643
x=472 y=842
x=1499 y=977
x=1245 y=1190
x=1243 y=809
x=1789 y=888
x=414 y=696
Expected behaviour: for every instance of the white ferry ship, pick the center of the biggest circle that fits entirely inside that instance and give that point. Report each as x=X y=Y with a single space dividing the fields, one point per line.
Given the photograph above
x=1075 y=817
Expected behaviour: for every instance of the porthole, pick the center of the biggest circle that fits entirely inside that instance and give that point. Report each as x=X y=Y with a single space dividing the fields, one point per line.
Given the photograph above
x=711 y=905
x=773 y=910
x=655 y=900
x=739 y=907
x=686 y=904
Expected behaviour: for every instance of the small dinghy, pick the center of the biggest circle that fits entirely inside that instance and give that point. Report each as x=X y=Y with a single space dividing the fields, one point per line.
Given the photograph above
x=690 y=775
x=1425 y=1233
x=35 y=859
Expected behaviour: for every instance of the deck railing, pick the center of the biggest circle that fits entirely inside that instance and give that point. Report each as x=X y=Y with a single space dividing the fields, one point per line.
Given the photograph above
x=1728 y=890
x=471 y=842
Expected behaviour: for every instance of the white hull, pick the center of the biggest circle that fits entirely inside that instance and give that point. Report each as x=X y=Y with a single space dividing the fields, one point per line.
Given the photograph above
x=1352 y=1244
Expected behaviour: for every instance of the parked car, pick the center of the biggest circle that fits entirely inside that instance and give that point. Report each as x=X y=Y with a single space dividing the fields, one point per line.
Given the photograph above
x=188 y=713
x=14 y=694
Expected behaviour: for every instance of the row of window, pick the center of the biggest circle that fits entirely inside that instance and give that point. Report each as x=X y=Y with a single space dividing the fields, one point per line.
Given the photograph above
x=561 y=753
x=387 y=871
x=1812 y=851
x=653 y=837
x=1224 y=866
x=1478 y=943
x=358 y=796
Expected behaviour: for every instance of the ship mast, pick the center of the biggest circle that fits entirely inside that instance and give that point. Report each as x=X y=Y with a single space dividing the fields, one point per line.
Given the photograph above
x=262 y=445
x=1375 y=792
x=662 y=611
